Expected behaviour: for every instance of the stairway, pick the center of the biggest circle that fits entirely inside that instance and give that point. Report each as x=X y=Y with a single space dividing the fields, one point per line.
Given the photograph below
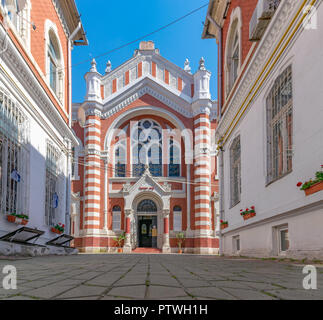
x=146 y=250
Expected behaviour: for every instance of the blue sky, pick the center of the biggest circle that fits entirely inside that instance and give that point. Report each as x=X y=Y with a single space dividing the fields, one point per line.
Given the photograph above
x=110 y=24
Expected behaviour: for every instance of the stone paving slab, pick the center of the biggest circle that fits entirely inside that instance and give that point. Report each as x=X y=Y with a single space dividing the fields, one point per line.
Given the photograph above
x=164 y=276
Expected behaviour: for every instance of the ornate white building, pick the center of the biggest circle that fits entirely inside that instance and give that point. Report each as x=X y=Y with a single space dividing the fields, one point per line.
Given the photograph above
x=270 y=128
x=36 y=139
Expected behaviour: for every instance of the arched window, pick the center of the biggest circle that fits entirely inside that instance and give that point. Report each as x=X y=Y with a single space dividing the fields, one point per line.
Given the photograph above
x=147 y=206
x=177 y=214
x=120 y=159
x=116 y=209
x=19 y=15
x=279 y=105
x=174 y=167
x=116 y=218
x=233 y=57
x=53 y=56
x=235 y=172
x=233 y=50
x=146 y=139
x=55 y=64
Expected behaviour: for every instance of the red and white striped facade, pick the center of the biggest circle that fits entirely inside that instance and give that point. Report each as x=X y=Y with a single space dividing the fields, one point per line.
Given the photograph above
x=152 y=91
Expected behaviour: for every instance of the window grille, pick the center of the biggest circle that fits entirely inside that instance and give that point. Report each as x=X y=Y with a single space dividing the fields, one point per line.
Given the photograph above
x=52 y=183
x=233 y=57
x=147 y=206
x=14 y=157
x=116 y=218
x=174 y=167
x=235 y=172
x=279 y=106
x=147 y=148
x=177 y=212
x=120 y=159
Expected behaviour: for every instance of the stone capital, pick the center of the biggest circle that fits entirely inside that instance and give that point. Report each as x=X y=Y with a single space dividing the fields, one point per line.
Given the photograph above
x=166 y=213
x=128 y=212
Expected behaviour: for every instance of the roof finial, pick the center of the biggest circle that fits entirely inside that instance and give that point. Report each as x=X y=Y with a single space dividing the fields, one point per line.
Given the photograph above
x=93 y=66
x=202 y=64
x=108 y=68
x=187 y=67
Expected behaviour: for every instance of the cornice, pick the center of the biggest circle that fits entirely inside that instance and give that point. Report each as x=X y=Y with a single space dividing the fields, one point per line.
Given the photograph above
x=62 y=19
x=271 y=37
x=136 y=92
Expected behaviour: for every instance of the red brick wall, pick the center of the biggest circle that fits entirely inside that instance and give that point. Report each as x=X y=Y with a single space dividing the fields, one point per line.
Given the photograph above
x=40 y=11
x=247 y=9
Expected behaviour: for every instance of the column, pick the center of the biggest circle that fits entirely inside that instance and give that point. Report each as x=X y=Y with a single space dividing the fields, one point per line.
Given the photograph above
x=166 y=245
x=202 y=106
x=105 y=212
x=202 y=196
x=127 y=248
x=92 y=194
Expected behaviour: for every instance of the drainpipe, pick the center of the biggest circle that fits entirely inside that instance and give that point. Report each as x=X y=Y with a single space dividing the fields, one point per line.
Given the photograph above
x=220 y=153
x=221 y=197
x=70 y=41
x=220 y=73
x=69 y=146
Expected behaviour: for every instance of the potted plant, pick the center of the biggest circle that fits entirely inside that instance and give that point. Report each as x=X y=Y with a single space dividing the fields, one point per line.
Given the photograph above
x=312 y=186
x=18 y=218
x=59 y=228
x=224 y=224
x=180 y=240
x=119 y=241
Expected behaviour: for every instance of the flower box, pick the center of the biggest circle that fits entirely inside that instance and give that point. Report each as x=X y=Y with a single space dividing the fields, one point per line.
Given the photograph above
x=314 y=188
x=249 y=215
x=313 y=185
x=54 y=230
x=224 y=225
x=14 y=219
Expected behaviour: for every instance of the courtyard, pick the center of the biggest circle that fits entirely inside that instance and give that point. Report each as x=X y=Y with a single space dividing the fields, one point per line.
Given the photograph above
x=157 y=276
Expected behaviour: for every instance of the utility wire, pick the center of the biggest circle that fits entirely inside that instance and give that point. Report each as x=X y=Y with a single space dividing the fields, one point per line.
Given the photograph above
x=138 y=39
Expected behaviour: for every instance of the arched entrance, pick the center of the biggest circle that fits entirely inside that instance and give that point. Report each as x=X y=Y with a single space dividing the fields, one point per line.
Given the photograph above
x=147 y=223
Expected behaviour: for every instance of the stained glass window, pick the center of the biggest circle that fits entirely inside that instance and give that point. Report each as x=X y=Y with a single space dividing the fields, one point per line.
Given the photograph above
x=174 y=166
x=147 y=206
x=146 y=148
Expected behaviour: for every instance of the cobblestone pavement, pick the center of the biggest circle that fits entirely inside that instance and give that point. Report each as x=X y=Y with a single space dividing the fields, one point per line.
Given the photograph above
x=187 y=277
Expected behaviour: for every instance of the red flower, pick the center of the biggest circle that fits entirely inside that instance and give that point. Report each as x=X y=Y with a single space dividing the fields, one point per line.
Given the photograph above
x=221 y=221
x=299 y=184
x=247 y=209
x=63 y=225
x=253 y=207
x=241 y=210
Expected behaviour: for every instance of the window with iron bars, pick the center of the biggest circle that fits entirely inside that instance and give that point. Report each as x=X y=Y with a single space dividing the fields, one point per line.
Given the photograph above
x=52 y=183
x=14 y=157
x=279 y=106
x=235 y=171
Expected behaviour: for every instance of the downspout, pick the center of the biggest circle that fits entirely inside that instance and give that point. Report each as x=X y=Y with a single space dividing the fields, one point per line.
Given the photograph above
x=221 y=197
x=220 y=73
x=220 y=153
x=70 y=41
x=69 y=146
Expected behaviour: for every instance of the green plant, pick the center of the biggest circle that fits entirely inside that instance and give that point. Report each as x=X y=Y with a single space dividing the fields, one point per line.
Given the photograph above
x=311 y=182
x=60 y=227
x=180 y=239
x=119 y=239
